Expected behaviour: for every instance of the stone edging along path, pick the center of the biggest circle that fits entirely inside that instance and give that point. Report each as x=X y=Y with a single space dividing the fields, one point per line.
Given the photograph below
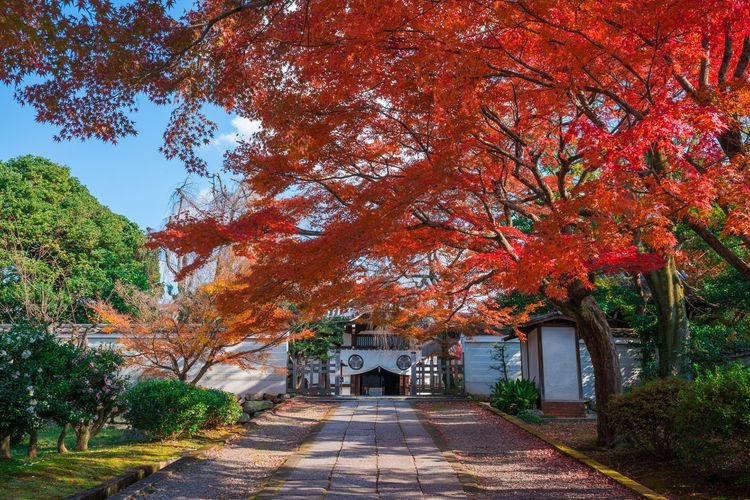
x=578 y=456
x=131 y=476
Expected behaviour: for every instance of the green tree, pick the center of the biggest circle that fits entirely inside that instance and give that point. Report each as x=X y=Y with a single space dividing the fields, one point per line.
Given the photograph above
x=317 y=339
x=60 y=247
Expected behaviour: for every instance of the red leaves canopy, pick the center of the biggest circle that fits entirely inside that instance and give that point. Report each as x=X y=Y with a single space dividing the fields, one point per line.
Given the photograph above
x=437 y=153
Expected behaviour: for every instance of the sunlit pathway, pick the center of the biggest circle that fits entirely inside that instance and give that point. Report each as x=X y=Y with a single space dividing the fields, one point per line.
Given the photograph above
x=371 y=449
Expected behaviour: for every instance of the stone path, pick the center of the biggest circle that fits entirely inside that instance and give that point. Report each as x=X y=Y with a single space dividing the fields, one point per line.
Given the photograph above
x=370 y=449
x=380 y=449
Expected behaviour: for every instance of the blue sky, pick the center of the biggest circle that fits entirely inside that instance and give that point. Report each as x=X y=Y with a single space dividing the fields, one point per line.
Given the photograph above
x=132 y=178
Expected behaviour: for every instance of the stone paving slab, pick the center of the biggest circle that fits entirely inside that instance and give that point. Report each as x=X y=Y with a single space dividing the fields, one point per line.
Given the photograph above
x=371 y=449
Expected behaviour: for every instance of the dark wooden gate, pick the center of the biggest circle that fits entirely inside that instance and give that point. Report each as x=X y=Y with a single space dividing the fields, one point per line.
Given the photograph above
x=311 y=377
x=435 y=376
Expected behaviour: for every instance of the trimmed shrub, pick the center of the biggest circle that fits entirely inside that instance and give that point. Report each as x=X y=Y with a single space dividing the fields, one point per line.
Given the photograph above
x=714 y=420
x=514 y=396
x=165 y=408
x=645 y=417
x=222 y=408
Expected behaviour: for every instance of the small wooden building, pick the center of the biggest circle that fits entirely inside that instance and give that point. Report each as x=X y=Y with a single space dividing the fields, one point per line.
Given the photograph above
x=551 y=358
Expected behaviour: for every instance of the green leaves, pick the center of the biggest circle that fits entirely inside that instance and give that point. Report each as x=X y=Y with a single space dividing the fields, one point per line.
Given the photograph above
x=61 y=247
x=165 y=408
x=645 y=417
x=327 y=335
x=514 y=396
x=706 y=421
x=714 y=419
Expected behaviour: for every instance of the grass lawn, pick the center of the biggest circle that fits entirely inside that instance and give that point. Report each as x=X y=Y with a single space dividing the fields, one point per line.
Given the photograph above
x=674 y=479
x=52 y=475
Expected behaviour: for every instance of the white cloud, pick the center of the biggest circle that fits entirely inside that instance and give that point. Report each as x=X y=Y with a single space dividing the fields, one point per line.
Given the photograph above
x=205 y=195
x=243 y=129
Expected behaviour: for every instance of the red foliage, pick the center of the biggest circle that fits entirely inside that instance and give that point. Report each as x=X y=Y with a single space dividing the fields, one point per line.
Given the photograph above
x=434 y=154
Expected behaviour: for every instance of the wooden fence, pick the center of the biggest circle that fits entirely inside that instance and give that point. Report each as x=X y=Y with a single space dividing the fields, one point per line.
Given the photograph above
x=438 y=376
x=312 y=377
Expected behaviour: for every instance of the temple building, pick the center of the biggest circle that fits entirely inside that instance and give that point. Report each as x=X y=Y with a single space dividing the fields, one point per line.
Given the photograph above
x=373 y=361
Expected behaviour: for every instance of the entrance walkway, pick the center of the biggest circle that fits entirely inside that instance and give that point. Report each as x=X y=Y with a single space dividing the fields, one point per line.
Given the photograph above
x=370 y=449
x=378 y=448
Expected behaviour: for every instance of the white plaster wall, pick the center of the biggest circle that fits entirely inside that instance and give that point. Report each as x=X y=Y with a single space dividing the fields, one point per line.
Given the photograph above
x=480 y=378
x=560 y=363
x=628 y=353
x=481 y=371
x=268 y=374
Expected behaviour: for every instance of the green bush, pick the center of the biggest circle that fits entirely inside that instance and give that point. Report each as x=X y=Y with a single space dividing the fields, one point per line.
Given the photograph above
x=645 y=417
x=165 y=408
x=714 y=419
x=222 y=408
x=32 y=370
x=43 y=380
x=711 y=345
x=514 y=396
x=530 y=417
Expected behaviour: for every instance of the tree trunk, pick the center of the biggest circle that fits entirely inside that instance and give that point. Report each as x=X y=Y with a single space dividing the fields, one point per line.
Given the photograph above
x=61 y=439
x=593 y=328
x=33 y=440
x=198 y=376
x=83 y=434
x=673 y=326
x=5 y=447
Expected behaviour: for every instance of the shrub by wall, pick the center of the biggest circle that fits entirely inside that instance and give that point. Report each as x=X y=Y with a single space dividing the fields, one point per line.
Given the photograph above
x=645 y=417
x=714 y=420
x=222 y=408
x=514 y=396
x=165 y=408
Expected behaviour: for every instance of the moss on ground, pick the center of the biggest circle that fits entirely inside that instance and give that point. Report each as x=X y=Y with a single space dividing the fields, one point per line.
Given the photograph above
x=52 y=475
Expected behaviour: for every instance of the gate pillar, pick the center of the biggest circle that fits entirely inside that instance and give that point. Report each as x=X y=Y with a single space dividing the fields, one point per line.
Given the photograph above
x=337 y=373
x=413 y=376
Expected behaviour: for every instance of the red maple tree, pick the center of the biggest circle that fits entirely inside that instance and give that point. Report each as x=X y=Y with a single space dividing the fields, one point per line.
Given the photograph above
x=431 y=155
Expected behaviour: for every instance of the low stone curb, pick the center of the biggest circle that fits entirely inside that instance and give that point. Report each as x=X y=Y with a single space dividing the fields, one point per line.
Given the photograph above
x=625 y=481
x=119 y=483
x=135 y=474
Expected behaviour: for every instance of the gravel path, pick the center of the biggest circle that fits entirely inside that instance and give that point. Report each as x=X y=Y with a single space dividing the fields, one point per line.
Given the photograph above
x=508 y=462
x=240 y=468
